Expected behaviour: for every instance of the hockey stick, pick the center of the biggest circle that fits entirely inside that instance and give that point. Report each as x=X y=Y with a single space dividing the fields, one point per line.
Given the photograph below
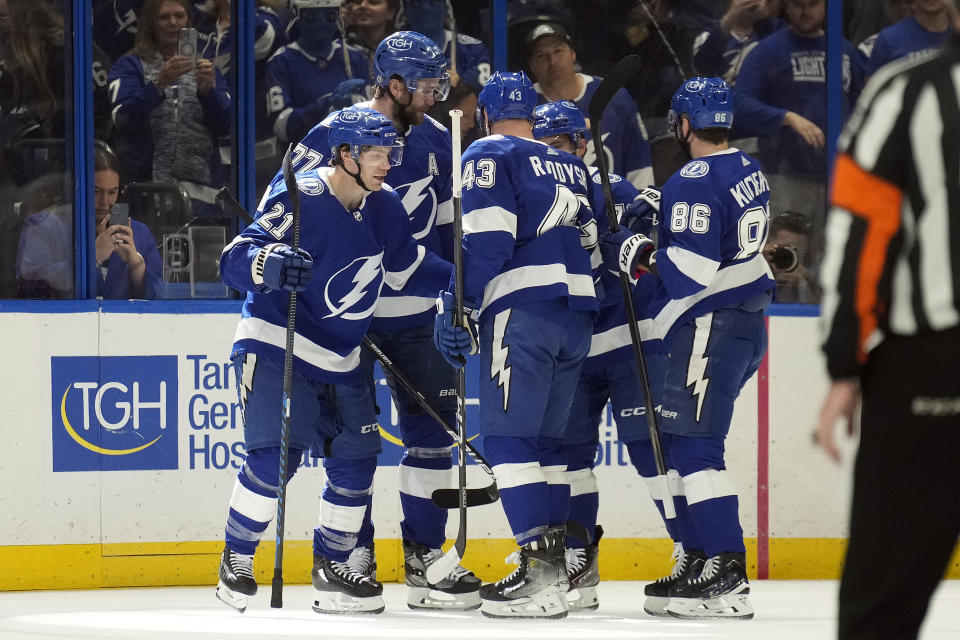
x=664 y=39
x=614 y=80
x=442 y=567
x=276 y=593
x=443 y=498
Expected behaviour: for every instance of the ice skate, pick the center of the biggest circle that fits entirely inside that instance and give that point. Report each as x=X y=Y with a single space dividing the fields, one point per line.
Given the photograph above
x=686 y=565
x=721 y=591
x=237 y=584
x=583 y=575
x=339 y=589
x=538 y=586
x=459 y=591
x=363 y=560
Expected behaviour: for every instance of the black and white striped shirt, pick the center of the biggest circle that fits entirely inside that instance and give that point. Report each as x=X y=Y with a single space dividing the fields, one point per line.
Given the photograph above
x=892 y=258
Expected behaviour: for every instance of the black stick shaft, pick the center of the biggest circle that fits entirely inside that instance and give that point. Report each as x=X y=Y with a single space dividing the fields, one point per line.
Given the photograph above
x=276 y=593
x=618 y=75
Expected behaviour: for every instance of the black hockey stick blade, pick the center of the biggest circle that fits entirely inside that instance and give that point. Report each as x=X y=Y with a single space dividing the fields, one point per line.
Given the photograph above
x=613 y=80
x=232 y=206
x=450 y=498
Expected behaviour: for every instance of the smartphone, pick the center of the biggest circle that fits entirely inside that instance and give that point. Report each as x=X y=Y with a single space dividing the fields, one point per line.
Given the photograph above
x=120 y=213
x=187 y=44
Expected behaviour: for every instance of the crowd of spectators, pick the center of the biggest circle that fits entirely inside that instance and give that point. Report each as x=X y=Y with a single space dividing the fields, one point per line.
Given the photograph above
x=168 y=111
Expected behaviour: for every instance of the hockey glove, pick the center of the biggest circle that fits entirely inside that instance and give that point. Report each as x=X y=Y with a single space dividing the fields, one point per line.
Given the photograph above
x=641 y=215
x=277 y=266
x=627 y=252
x=347 y=93
x=454 y=342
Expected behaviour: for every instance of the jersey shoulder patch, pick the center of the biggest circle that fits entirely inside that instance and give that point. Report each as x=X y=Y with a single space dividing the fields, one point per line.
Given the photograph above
x=695 y=169
x=463 y=38
x=436 y=123
x=311 y=185
x=614 y=178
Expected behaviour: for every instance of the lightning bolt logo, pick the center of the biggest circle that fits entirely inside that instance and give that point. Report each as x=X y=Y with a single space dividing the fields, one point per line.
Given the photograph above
x=697 y=366
x=416 y=192
x=365 y=271
x=499 y=354
x=246 y=382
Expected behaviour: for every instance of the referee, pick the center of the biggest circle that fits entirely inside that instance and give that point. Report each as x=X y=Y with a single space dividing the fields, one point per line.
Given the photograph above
x=891 y=326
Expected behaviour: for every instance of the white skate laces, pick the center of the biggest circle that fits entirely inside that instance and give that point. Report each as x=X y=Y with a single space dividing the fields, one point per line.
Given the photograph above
x=348 y=573
x=241 y=565
x=710 y=569
x=576 y=559
x=361 y=560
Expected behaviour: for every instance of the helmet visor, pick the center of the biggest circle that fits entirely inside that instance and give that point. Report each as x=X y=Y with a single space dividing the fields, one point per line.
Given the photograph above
x=376 y=156
x=437 y=88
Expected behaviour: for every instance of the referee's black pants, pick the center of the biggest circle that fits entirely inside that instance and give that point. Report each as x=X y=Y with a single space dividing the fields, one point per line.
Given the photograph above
x=905 y=515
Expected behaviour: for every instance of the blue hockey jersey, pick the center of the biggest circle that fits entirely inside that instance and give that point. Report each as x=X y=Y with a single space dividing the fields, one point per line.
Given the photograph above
x=300 y=86
x=624 y=138
x=472 y=58
x=787 y=72
x=355 y=253
x=715 y=221
x=524 y=205
x=611 y=336
x=423 y=183
x=905 y=39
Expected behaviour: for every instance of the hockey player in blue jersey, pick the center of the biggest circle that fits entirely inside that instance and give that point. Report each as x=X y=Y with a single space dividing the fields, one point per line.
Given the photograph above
x=713 y=285
x=609 y=372
x=410 y=76
x=468 y=57
x=314 y=75
x=528 y=279
x=355 y=238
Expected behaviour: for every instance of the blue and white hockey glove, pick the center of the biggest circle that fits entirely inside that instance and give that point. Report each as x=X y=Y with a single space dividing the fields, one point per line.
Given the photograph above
x=454 y=342
x=642 y=214
x=346 y=93
x=277 y=267
x=627 y=252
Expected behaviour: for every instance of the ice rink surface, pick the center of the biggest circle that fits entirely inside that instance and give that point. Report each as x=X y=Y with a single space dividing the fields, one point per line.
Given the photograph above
x=786 y=610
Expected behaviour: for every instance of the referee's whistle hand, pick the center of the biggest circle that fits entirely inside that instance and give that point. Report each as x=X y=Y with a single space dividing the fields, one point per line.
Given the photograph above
x=840 y=404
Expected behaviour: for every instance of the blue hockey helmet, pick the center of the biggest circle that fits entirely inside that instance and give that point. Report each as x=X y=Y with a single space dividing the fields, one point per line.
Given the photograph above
x=506 y=95
x=707 y=102
x=415 y=58
x=558 y=118
x=360 y=127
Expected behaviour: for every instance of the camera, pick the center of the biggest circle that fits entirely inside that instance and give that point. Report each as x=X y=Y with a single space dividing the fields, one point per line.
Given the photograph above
x=785 y=258
x=187 y=44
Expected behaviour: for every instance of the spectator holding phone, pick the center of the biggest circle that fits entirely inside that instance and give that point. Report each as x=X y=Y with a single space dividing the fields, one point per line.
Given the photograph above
x=128 y=262
x=168 y=105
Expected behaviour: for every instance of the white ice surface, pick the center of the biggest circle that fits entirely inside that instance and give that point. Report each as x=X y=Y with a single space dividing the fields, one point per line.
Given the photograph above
x=786 y=610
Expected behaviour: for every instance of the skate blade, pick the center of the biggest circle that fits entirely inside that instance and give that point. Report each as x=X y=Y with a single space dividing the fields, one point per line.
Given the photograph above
x=237 y=601
x=552 y=607
x=656 y=606
x=427 y=598
x=344 y=604
x=727 y=607
x=583 y=599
